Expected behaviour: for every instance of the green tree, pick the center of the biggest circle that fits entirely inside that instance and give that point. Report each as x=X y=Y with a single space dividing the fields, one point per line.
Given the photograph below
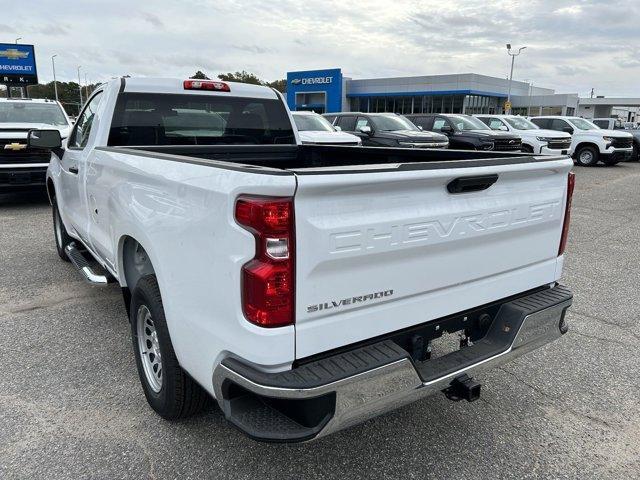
x=199 y=75
x=280 y=85
x=242 y=77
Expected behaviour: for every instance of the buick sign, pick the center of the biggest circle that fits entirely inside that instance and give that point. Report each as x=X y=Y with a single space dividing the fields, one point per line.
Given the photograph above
x=312 y=81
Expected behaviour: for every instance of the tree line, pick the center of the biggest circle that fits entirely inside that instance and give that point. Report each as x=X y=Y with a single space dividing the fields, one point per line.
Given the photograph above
x=245 y=77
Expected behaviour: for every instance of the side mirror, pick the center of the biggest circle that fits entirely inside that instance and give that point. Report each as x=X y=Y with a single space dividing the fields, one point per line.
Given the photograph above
x=49 y=139
x=338 y=128
x=568 y=130
x=446 y=129
x=366 y=130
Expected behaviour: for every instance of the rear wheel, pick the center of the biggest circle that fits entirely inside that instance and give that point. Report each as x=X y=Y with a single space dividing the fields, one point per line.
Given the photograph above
x=169 y=390
x=60 y=234
x=587 y=156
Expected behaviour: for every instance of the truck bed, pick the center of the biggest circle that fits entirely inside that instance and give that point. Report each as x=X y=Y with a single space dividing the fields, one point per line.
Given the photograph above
x=307 y=158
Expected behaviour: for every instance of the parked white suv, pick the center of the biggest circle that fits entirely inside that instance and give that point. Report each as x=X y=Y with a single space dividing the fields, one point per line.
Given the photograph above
x=590 y=143
x=534 y=139
x=315 y=129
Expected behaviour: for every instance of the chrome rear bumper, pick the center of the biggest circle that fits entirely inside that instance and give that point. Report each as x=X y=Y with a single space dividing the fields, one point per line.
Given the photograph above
x=336 y=392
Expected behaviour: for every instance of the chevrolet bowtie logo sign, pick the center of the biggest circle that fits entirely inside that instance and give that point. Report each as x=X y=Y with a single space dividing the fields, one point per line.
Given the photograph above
x=13 y=54
x=15 y=146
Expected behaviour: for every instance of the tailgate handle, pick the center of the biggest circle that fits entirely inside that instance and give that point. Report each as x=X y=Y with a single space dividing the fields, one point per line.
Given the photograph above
x=471 y=184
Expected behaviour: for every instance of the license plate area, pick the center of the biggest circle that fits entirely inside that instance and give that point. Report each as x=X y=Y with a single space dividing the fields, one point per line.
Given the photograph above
x=19 y=178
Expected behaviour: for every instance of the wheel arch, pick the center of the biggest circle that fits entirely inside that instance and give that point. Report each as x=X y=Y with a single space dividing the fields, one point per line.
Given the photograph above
x=51 y=190
x=581 y=145
x=134 y=262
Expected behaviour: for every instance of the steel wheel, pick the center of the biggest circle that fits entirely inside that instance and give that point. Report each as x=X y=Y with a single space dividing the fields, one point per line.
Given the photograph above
x=586 y=157
x=149 y=348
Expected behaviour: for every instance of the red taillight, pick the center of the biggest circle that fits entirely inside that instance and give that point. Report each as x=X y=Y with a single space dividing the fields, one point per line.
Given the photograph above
x=268 y=280
x=571 y=182
x=206 y=85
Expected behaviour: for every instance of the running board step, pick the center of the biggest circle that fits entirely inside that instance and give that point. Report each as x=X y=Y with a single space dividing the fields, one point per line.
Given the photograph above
x=90 y=270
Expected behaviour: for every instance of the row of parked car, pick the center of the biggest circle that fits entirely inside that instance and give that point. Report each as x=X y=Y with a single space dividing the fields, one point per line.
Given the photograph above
x=585 y=141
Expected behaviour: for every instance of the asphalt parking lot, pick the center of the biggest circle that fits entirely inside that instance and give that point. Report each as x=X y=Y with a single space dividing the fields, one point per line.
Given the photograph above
x=71 y=405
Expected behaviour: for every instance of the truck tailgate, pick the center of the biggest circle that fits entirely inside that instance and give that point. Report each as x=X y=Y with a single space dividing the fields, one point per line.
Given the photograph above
x=378 y=251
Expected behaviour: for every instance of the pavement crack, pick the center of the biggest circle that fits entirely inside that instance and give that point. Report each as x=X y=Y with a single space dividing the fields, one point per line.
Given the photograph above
x=557 y=400
x=606 y=322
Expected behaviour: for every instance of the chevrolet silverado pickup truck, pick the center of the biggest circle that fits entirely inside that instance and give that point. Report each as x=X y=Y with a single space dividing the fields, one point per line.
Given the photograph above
x=305 y=288
x=21 y=167
x=589 y=143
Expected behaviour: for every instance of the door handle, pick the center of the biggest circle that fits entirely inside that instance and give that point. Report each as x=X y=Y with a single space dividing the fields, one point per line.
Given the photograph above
x=73 y=170
x=471 y=184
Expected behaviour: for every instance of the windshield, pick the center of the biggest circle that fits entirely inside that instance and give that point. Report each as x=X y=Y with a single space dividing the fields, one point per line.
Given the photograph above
x=23 y=112
x=389 y=123
x=312 y=123
x=582 y=124
x=174 y=119
x=468 y=123
x=520 y=123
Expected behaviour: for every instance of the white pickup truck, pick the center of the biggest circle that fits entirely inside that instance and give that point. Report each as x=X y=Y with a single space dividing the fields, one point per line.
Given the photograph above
x=306 y=288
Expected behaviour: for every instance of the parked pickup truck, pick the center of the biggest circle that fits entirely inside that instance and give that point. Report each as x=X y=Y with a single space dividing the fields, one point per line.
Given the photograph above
x=21 y=167
x=589 y=143
x=306 y=288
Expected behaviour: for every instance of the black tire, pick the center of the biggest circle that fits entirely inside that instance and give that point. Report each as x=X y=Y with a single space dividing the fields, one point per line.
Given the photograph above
x=179 y=395
x=60 y=234
x=610 y=162
x=587 y=156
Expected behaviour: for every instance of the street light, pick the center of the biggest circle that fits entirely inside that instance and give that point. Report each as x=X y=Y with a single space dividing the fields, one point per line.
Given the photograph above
x=55 y=83
x=513 y=58
x=19 y=38
x=79 y=87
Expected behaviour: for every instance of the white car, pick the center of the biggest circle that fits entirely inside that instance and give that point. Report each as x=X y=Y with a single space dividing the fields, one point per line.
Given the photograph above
x=302 y=287
x=22 y=167
x=315 y=129
x=534 y=139
x=589 y=143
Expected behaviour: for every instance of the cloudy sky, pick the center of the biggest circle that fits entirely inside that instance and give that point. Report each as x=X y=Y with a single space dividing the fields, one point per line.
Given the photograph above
x=572 y=46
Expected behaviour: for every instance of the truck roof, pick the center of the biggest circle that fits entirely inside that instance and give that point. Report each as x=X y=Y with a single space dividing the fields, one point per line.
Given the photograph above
x=176 y=85
x=28 y=100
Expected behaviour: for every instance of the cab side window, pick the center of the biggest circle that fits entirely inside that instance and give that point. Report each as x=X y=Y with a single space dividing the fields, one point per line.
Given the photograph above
x=80 y=135
x=347 y=123
x=495 y=124
x=438 y=123
x=362 y=122
x=559 y=125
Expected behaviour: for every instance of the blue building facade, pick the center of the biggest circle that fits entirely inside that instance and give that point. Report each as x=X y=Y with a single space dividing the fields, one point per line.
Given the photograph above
x=326 y=91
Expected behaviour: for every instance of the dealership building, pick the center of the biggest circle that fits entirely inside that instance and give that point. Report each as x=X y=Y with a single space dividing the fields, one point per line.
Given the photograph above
x=326 y=91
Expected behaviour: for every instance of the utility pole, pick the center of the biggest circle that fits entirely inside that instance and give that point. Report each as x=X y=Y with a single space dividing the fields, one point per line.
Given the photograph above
x=86 y=87
x=55 y=83
x=80 y=88
x=19 y=38
x=513 y=58
x=592 y=93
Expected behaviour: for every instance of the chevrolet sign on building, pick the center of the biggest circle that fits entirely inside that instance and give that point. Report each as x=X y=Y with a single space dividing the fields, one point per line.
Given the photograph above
x=316 y=90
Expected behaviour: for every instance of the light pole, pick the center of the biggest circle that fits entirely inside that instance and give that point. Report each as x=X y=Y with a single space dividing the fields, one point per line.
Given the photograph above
x=19 y=38
x=80 y=88
x=86 y=87
x=55 y=83
x=513 y=58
